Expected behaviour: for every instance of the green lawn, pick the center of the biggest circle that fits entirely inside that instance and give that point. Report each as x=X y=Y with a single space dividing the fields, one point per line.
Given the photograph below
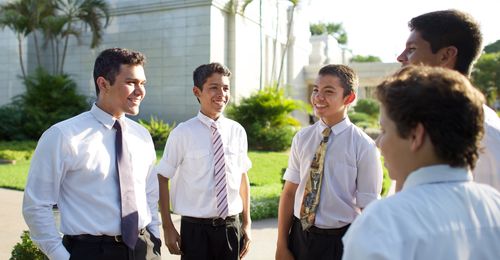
x=265 y=176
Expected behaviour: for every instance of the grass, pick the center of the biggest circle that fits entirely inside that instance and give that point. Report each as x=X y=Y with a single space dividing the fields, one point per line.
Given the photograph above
x=265 y=176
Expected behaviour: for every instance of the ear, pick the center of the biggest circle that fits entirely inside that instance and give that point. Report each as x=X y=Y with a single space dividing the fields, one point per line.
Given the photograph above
x=196 y=92
x=448 y=57
x=103 y=84
x=417 y=137
x=349 y=98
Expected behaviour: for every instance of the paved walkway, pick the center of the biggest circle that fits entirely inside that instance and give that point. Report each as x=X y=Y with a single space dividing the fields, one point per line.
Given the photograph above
x=12 y=224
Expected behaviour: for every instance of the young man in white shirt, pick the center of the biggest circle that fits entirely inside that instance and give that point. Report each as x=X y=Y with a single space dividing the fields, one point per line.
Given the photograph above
x=351 y=179
x=206 y=160
x=76 y=166
x=452 y=39
x=432 y=123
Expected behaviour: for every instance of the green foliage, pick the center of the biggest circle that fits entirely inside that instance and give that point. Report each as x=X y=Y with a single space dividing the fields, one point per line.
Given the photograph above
x=26 y=250
x=334 y=29
x=11 y=122
x=486 y=76
x=493 y=47
x=369 y=58
x=362 y=120
x=48 y=99
x=159 y=131
x=368 y=106
x=265 y=115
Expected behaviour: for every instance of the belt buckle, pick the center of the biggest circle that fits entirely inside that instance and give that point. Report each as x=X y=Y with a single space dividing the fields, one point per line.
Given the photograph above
x=218 y=222
x=118 y=238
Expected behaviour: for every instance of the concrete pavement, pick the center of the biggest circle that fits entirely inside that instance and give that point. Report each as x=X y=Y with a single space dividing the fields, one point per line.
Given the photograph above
x=12 y=224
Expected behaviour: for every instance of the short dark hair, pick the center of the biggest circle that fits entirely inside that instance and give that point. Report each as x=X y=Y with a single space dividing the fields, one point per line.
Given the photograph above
x=347 y=76
x=451 y=28
x=444 y=102
x=109 y=61
x=204 y=71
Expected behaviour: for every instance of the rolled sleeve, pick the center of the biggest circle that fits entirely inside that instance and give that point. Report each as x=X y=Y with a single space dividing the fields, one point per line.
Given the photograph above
x=172 y=154
x=292 y=173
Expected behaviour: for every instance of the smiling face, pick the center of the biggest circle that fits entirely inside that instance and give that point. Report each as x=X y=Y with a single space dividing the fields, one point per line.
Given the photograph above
x=418 y=52
x=126 y=93
x=328 y=99
x=214 y=95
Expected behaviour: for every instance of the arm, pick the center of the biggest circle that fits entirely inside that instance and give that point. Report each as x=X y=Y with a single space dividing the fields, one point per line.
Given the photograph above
x=152 y=199
x=246 y=221
x=369 y=179
x=172 y=237
x=285 y=218
x=42 y=192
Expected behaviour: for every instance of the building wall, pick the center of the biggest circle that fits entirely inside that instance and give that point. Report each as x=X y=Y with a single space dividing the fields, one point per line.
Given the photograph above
x=176 y=36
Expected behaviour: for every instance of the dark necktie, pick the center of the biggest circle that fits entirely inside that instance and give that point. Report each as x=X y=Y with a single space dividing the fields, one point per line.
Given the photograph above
x=313 y=186
x=129 y=214
x=219 y=173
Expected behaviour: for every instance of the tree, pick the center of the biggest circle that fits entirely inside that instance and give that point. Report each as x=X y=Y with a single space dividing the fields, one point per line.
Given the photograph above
x=336 y=30
x=25 y=17
x=78 y=15
x=369 y=58
x=494 y=47
x=486 y=75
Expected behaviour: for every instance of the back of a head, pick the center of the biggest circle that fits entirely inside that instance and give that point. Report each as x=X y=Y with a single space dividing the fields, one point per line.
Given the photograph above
x=109 y=61
x=451 y=28
x=444 y=102
x=346 y=75
x=204 y=71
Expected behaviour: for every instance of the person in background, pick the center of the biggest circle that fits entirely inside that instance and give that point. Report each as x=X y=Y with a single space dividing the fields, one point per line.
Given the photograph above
x=432 y=123
x=97 y=168
x=206 y=159
x=452 y=39
x=334 y=171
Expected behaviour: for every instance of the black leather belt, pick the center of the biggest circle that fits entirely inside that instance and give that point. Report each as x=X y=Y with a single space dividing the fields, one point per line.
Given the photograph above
x=214 y=222
x=329 y=231
x=98 y=239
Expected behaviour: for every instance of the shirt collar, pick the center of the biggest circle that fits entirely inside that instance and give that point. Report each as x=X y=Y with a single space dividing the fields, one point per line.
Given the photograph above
x=208 y=121
x=104 y=118
x=435 y=174
x=337 y=128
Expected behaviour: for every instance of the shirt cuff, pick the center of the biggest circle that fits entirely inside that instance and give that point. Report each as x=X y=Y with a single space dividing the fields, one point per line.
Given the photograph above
x=165 y=170
x=59 y=254
x=363 y=199
x=291 y=176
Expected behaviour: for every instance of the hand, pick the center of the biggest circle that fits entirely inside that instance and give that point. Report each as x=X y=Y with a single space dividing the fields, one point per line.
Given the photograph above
x=283 y=253
x=247 y=238
x=173 y=241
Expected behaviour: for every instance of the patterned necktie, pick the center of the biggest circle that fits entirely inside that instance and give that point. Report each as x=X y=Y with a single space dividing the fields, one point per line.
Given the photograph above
x=313 y=186
x=219 y=173
x=129 y=214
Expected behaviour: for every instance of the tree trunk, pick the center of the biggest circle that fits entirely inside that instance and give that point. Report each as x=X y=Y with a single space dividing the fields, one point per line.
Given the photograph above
x=286 y=47
x=61 y=68
x=273 y=69
x=37 y=50
x=20 y=46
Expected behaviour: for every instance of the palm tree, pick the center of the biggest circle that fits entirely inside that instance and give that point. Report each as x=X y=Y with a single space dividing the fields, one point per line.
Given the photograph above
x=78 y=15
x=24 y=17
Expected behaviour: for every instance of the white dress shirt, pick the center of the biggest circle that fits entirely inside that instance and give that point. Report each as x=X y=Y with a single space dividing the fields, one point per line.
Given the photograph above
x=74 y=167
x=352 y=172
x=487 y=169
x=188 y=162
x=439 y=214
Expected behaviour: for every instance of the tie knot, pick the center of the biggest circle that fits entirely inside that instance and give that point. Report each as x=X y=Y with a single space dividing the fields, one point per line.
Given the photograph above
x=117 y=125
x=326 y=132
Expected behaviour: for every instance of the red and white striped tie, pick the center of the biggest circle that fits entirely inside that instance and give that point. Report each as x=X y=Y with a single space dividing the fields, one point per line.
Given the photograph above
x=219 y=173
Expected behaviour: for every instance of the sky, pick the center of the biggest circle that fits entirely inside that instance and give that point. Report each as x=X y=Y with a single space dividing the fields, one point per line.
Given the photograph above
x=380 y=27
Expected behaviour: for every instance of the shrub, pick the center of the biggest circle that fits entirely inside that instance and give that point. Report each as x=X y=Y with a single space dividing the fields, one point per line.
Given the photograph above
x=26 y=250
x=362 y=120
x=367 y=106
x=159 y=131
x=265 y=115
x=47 y=100
x=11 y=122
